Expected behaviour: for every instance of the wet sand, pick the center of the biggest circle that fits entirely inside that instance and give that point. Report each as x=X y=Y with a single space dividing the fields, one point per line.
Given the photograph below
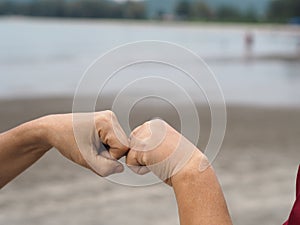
x=256 y=167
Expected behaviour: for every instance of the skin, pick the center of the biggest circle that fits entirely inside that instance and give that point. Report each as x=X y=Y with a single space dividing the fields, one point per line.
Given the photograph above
x=198 y=193
x=22 y=146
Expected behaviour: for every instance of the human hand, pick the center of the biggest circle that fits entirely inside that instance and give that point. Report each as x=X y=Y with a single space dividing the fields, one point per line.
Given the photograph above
x=156 y=146
x=78 y=137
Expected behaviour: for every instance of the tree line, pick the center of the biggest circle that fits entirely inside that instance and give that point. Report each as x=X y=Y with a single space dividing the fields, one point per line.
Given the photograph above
x=282 y=10
x=278 y=10
x=201 y=11
x=77 y=8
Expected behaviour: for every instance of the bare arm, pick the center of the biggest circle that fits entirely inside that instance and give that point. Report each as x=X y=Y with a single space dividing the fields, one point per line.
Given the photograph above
x=199 y=196
x=158 y=147
x=25 y=144
x=20 y=148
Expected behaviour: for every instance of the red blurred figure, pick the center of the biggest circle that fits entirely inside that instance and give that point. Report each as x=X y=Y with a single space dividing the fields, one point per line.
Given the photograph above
x=294 y=218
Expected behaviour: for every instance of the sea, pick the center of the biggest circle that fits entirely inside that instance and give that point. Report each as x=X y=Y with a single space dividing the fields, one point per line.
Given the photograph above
x=51 y=57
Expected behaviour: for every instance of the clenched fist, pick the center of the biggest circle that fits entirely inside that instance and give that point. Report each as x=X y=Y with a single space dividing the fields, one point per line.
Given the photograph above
x=93 y=140
x=156 y=146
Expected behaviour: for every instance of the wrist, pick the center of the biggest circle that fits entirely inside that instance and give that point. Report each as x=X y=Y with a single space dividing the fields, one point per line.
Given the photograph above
x=197 y=164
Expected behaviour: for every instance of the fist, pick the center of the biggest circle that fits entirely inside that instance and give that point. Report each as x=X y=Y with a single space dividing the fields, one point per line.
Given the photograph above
x=156 y=146
x=93 y=140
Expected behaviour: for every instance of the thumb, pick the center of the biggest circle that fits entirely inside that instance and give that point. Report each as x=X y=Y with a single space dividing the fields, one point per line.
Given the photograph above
x=134 y=165
x=106 y=166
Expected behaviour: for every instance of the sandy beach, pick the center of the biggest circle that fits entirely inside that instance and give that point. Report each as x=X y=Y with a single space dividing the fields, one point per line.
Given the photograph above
x=256 y=167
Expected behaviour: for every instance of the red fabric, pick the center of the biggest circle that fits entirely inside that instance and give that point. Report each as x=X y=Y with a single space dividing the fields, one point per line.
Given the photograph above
x=294 y=218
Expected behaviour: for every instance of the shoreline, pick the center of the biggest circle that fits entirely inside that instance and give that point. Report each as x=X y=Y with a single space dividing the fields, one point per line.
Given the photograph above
x=258 y=119
x=275 y=27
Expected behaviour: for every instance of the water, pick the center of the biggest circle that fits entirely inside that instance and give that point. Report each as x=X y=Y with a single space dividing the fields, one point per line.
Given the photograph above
x=40 y=57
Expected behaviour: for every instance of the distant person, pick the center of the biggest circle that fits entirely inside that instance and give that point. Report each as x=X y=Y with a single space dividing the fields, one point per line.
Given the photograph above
x=298 y=45
x=249 y=42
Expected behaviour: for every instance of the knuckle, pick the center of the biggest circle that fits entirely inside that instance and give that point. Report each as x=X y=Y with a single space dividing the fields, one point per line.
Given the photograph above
x=105 y=116
x=109 y=114
x=128 y=159
x=137 y=130
x=104 y=119
x=144 y=159
x=131 y=157
x=157 y=121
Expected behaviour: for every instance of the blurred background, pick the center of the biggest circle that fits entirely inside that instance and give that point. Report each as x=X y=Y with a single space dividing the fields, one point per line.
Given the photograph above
x=253 y=48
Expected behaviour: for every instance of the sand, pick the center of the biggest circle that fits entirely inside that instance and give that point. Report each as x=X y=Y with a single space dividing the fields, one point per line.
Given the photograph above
x=256 y=167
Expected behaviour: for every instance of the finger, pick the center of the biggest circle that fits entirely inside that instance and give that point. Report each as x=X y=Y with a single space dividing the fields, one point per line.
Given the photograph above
x=101 y=162
x=114 y=136
x=117 y=153
x=134 y=165
x=105 y=153
x=105 y=166
x=140 y=170
x=148 y=136
x=139 y=137
x=119 y=138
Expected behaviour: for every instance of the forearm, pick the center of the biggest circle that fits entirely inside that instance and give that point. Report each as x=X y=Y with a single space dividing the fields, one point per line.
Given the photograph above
x=21 y=147
x=199 y=196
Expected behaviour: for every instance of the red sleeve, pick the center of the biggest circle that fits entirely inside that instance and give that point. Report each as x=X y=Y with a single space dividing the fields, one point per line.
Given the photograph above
x=294 y=218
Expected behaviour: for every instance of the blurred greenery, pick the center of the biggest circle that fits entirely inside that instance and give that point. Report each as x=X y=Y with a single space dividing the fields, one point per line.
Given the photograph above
x=278 y=10
x=283 y=10
x=201 y=11
x=77 y=8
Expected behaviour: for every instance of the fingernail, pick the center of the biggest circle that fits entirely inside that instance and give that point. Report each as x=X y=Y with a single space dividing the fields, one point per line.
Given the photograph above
x=119 y=169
